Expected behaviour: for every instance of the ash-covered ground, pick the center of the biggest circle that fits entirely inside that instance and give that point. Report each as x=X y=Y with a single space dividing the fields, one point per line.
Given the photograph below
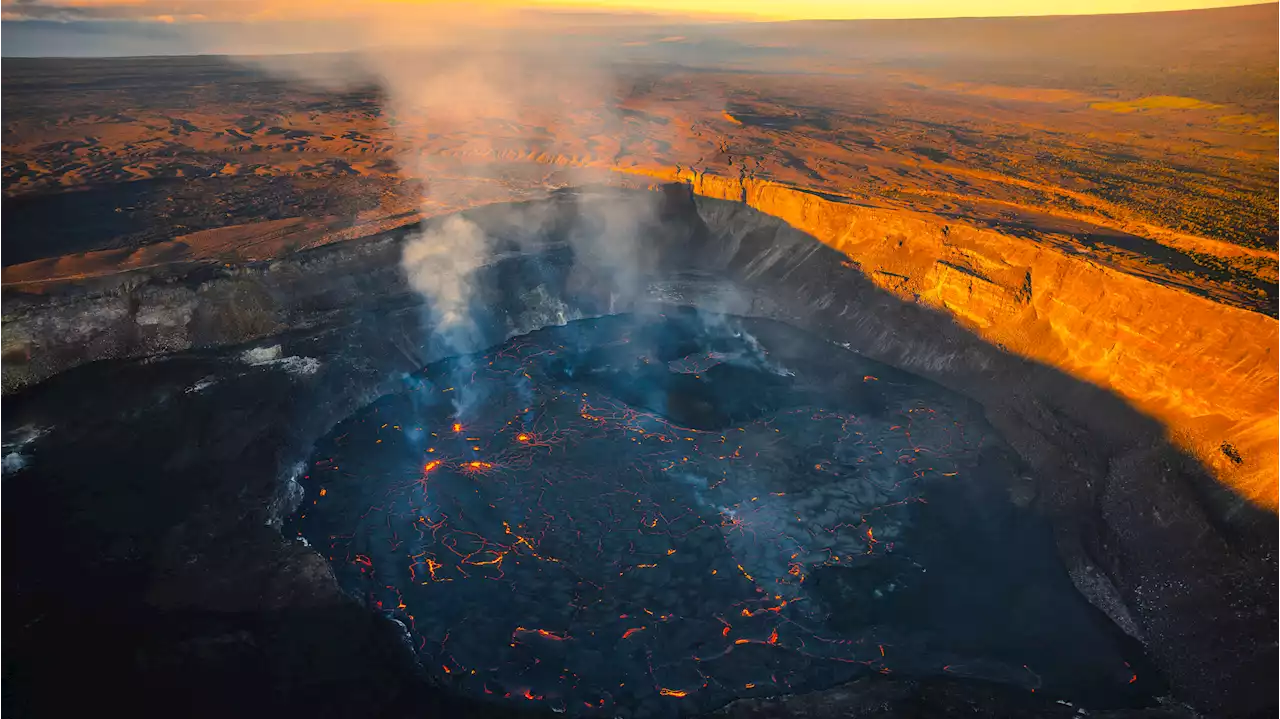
x=656 y=514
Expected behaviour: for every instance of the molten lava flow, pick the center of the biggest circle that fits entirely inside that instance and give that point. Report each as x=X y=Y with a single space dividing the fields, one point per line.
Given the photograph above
x=563 y=522
x=545 y=634
x=673 y=692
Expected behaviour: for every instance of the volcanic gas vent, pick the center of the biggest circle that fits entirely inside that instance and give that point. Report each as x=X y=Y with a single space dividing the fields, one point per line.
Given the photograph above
x=664 y=512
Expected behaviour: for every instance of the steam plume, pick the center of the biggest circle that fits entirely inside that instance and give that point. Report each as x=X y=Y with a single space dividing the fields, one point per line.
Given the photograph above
x=440 y=263
x=507 y=102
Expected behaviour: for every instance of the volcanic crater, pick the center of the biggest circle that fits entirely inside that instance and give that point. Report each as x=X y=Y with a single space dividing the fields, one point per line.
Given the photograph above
x=666 y=510
x=688 y=454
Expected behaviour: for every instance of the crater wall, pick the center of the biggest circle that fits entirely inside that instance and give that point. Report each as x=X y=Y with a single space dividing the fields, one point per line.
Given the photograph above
x=1208 y=371
x=1178 y=559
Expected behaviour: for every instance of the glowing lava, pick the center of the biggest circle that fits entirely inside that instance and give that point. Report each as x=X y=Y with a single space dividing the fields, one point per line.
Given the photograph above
x=582 y=550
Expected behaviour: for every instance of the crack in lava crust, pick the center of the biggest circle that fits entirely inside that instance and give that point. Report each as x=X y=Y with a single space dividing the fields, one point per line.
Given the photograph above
x=659 y=513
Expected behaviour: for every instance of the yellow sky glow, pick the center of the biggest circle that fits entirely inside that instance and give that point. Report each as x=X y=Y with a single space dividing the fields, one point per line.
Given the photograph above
x=887 y=9
x=250 y=10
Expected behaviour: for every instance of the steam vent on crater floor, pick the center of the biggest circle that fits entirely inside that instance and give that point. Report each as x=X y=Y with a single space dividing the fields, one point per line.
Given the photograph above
x=642 y=365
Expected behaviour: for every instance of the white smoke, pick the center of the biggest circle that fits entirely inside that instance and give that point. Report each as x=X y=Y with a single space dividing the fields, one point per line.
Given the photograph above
x=486 y=110
x=13 y=462
x=14 y=454
x=440 y=263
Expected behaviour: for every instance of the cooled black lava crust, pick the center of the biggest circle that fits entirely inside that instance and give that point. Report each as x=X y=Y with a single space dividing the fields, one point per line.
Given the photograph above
x=662 y=512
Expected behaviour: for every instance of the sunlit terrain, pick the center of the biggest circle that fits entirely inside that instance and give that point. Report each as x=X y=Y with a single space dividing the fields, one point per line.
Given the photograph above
x=647 y=367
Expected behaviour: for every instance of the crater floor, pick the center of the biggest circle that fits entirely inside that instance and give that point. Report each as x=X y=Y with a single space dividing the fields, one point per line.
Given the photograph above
x=659 y=513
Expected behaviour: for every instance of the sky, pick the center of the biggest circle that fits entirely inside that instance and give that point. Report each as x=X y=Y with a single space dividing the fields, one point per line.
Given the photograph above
x=94 y=28
x=173 y=11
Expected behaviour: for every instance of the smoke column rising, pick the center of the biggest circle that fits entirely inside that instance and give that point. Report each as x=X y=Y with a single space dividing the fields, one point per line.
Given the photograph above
x=476 y=97
x=439 y=263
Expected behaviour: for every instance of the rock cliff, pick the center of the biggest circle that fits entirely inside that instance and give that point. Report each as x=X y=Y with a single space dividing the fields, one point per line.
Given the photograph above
x=1207 y=371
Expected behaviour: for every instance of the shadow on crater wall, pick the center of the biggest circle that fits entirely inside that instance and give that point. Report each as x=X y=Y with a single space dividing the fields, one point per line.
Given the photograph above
x=125 y=521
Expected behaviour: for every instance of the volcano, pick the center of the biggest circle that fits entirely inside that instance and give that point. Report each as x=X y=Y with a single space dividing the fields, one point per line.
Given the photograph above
x=688 y=461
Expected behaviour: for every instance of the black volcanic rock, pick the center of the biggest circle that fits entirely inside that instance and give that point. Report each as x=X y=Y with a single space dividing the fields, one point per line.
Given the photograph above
x=141 y=539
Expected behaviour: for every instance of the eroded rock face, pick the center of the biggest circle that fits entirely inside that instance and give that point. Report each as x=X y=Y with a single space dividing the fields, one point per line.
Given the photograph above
x=1203 y=368
x=1145 y=531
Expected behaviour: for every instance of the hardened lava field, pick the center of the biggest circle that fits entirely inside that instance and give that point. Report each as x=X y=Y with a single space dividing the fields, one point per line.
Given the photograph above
x=659 y=513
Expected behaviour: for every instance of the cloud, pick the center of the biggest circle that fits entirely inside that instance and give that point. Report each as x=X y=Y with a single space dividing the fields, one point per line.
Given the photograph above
x=167 y=12
x=422 y=12
x=594 y=11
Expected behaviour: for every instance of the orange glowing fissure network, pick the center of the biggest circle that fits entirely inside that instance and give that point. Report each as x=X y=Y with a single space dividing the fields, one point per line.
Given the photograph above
x=521 y=460
x=492 y=554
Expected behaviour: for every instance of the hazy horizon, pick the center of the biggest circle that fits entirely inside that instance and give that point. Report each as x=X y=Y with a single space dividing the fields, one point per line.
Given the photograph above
x=74 y=31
